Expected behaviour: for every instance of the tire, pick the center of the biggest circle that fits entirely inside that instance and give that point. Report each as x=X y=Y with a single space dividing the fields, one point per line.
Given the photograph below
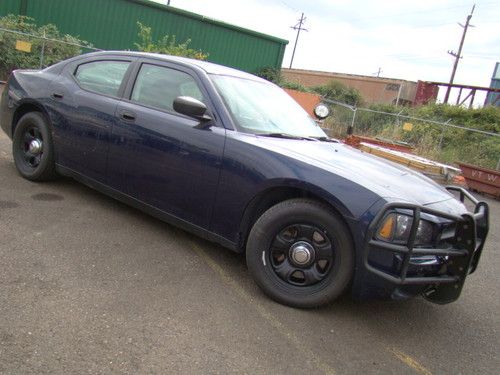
x=32 y=148
x=300 y=253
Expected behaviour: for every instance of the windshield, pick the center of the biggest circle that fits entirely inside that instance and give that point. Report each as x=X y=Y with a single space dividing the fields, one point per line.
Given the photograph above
x=263 y=108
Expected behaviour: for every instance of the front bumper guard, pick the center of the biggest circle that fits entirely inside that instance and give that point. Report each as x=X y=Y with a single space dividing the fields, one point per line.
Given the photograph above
x=462 y=257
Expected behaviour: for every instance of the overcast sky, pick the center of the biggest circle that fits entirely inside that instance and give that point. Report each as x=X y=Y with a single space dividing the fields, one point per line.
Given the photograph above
x=406 y=39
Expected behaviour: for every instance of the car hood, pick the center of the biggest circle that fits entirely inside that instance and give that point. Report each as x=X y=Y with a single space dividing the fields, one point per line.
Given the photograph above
x=385 y=178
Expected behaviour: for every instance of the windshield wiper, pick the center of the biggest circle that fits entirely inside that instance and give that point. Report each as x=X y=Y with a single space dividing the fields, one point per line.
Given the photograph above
x=326 y=139
x=286 y=136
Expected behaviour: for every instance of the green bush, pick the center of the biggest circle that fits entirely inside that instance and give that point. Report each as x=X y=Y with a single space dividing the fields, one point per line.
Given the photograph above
x=270 y=74
x=437 y=142
x=294 y=86
x=166 y=45
x=459 y=144
x=274 y=75
x=336 y=90
x=11 y=59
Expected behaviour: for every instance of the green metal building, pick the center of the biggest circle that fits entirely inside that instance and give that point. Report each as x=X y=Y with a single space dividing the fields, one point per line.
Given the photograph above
x=112 y=24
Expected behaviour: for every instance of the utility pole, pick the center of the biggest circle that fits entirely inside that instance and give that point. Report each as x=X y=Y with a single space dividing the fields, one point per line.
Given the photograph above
x=378 y=72
x=299 y=28
x=458 y=55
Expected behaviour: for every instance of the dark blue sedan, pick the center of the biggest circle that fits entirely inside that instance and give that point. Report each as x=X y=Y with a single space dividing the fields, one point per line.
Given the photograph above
x=232 y=158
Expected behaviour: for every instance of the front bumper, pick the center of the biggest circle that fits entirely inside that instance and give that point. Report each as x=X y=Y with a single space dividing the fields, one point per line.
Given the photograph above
x=437 y=272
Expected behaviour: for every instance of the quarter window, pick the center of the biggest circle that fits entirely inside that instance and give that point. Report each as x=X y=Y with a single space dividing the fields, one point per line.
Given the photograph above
x=158 y=86
x=104 y=77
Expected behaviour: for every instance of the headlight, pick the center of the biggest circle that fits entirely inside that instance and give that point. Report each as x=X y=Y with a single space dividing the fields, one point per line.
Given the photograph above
x=396 y=228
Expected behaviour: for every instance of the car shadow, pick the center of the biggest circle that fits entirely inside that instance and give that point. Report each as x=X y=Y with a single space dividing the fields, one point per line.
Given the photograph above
x=380 y=317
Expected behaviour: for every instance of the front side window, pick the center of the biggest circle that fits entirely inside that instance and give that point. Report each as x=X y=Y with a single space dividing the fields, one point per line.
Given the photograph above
x=104 y=77
x=158 y=86
x=260 y=108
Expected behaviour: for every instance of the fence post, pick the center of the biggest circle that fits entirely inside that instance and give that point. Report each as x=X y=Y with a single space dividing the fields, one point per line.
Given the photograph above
x=350 y=129
x=399 y=94
x=43 y=51
x=443 y=129
x=397 y=124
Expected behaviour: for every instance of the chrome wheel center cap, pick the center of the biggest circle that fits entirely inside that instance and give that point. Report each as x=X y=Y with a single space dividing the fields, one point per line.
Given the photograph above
x=35 y=146
x=301 y=253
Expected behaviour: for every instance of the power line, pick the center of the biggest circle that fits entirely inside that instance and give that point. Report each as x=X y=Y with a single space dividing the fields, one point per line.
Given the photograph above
x=288 y=6
x=299 y=28
x=415 y=12
x=458 y=55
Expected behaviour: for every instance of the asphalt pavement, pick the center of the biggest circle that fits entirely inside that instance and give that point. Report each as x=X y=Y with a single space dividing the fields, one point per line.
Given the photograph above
x=91 y=286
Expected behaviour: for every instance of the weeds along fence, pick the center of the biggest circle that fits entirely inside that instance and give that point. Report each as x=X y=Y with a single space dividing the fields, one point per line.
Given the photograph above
x=438 y=140
x=25 y=50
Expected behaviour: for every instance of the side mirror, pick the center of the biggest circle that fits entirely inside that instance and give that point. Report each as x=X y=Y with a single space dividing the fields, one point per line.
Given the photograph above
x=321 y=111
x=192 y=107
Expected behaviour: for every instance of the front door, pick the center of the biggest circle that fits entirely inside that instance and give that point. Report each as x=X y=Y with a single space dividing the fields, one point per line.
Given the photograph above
x=157 y=155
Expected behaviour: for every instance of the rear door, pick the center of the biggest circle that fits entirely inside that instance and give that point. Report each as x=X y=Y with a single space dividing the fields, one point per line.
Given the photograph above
x=159 y=156
x=85 y=97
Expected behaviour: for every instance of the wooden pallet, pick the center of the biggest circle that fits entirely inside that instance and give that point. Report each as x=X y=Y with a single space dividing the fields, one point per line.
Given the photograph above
x=355 y=141
x=428 y=167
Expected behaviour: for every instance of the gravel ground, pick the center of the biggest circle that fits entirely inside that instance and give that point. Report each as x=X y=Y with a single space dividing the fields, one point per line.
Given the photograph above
x=89 y=285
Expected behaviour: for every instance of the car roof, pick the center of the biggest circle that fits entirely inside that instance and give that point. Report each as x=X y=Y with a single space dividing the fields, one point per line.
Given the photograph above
x=208 y=67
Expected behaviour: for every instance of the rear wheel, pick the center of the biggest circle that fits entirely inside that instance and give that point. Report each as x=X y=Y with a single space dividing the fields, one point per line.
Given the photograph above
x=300 y=253
x=32 y=148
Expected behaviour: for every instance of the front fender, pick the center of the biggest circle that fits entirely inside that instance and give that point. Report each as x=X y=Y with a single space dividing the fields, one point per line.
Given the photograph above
x=308 y=188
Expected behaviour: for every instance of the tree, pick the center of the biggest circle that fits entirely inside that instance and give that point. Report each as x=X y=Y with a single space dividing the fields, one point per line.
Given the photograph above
x=166 y=45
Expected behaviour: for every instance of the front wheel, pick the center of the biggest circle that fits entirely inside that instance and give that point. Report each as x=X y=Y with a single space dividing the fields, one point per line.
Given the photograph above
x=300 y=253
x=32 y=148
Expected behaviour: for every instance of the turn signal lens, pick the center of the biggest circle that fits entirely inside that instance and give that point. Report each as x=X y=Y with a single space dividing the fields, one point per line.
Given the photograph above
x=387 y=229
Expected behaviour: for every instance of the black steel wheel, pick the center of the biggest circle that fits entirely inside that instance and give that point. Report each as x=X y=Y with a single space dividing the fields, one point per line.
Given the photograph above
x=300 y=253
x=32 y=148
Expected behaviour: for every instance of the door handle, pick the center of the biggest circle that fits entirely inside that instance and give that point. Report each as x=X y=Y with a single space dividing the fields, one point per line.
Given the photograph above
x=127 y=116
x=57 y=95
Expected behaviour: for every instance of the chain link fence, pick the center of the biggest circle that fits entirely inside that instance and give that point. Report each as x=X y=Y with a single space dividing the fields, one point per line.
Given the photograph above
x=437 y=140
x=441 y=141
x=20 y=49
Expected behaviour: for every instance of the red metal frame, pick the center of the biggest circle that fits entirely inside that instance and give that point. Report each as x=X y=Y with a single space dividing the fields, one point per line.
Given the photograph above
x=471 y=94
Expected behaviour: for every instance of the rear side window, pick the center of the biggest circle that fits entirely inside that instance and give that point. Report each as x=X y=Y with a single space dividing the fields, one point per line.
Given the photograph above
x=158 y=86
x=104 y=77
